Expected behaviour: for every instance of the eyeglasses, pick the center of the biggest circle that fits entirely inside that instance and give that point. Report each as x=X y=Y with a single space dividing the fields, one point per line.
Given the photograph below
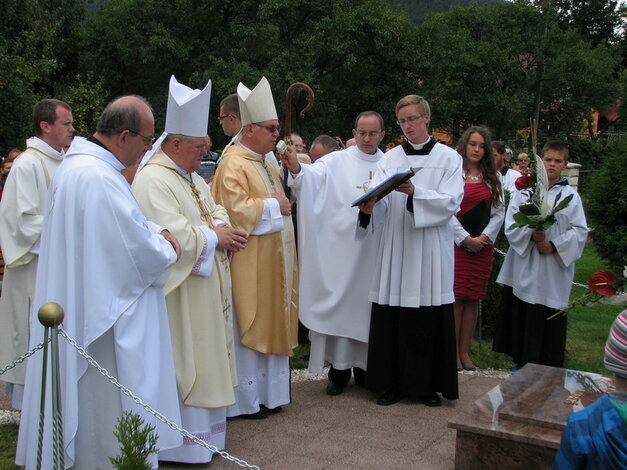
x=272 y=129
x=400 y=122
x=220 y=118
x=151 y=138
x=369 y=134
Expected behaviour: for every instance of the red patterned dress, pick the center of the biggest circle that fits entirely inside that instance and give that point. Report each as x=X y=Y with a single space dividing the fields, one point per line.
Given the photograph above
x=472 y=270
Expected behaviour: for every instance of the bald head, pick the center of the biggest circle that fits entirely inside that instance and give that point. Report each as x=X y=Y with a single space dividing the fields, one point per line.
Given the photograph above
x=125 y=112
x=126 y=127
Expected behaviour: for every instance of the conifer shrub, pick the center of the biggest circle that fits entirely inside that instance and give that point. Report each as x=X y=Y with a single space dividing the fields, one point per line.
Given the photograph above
x=605 y=203
x=137 y=443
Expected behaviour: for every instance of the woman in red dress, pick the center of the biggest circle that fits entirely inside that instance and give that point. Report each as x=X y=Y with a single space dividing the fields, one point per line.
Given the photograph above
x=476 y=226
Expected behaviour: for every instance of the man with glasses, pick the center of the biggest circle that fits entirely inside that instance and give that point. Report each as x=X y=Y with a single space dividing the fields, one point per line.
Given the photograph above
x=231 y=123
x=333 y=296
x=198 y=290
x=265 y=277
x=105 y=264
x=21 y=223
x=411 y=349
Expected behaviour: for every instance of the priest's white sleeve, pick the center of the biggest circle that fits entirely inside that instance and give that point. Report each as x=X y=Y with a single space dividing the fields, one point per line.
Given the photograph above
x=156 y=229
x=271 y=218
x=569 y=233
x=204 y=264
x=435 y=207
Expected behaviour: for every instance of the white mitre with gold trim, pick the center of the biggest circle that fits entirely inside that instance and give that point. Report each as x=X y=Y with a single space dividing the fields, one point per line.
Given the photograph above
x=256 y=105
x=187 y=114
x=188 y=109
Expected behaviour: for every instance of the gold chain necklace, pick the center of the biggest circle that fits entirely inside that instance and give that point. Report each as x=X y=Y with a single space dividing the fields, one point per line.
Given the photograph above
x=202 y=206
x=268 y=172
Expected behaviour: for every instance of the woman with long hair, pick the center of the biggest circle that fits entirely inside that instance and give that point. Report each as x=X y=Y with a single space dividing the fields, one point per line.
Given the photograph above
x=476 y=226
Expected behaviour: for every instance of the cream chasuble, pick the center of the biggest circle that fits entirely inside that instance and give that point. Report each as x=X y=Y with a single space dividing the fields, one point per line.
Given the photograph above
x=21 y=223
x=199 y=307
x=265 y=276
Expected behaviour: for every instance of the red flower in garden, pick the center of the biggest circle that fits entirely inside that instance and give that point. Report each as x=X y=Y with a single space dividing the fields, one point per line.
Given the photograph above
x=601 y=282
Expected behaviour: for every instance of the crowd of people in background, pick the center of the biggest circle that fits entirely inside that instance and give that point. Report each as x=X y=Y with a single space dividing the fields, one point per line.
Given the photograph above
x=178 y=270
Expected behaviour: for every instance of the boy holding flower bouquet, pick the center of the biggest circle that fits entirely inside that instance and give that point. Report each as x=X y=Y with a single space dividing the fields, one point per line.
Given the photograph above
x=546 y=228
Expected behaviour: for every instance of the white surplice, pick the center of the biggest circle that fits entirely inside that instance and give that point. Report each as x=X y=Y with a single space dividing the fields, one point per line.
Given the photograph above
x=544 y=279
x=104 y=263
x=414 y=264
x=335 y=268
x=21 y=222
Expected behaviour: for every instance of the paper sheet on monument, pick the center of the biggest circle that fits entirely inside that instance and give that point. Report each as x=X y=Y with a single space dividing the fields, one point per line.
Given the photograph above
x=385 y=187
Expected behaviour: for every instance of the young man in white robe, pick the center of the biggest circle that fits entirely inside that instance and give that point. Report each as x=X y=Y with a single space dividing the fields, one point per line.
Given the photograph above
x=265 y=274
x=333 y=294
x=198 y=290
x=411 y=349
x=538 y=272
x=21 y=222
x=104 y=263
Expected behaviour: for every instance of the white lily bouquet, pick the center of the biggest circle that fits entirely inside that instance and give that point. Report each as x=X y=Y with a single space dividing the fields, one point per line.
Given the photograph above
x=537 y=212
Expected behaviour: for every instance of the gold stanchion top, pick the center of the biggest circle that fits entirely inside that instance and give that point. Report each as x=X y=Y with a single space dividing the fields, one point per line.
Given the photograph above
x=50 y=314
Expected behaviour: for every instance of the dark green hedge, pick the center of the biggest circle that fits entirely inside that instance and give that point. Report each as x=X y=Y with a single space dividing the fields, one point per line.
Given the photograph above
x=605 y=201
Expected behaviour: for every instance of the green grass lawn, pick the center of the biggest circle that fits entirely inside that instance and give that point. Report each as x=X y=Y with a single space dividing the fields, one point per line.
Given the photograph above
x=8 y=441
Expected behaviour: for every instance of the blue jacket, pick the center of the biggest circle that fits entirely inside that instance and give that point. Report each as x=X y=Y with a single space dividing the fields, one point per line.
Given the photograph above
x=594 y=438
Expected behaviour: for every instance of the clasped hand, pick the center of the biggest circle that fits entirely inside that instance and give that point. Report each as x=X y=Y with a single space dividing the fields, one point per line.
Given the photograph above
x=230 y=238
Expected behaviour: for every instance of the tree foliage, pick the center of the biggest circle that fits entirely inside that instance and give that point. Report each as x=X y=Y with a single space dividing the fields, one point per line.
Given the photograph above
x=485 y=63
x=606 y=207
x=599 y=21
x=488 y=64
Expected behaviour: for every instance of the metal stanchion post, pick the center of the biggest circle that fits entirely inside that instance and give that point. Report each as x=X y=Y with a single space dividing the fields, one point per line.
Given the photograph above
x=51 y=315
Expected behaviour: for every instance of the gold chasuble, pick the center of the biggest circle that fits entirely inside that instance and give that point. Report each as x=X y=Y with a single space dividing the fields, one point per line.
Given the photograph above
x=199 y=307
x=265 y=273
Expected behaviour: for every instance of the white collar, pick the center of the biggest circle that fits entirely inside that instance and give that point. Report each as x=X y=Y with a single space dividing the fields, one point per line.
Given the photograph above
x=419 y=146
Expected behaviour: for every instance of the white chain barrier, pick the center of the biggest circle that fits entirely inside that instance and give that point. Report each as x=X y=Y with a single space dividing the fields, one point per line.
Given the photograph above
x=22 y=358
x=151 y=410
x=132 y=396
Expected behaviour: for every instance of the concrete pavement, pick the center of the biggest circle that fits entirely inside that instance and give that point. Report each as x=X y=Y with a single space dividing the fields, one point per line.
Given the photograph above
x=346 y=432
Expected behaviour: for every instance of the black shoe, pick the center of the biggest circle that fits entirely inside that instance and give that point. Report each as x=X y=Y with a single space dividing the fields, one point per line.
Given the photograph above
x=431 y=400
x=261 y=414
x=272 y=411
x=389 y=398
x=334 y=388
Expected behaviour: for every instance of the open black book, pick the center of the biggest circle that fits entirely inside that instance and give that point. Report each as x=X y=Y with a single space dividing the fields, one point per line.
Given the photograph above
x=385 y=187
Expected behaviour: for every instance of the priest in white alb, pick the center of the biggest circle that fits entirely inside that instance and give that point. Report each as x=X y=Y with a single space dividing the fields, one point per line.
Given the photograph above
x=335 y=268
x=21 y=223
x=105 y=264
x=198 y=291
x=411 y=349
x=265 y=274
